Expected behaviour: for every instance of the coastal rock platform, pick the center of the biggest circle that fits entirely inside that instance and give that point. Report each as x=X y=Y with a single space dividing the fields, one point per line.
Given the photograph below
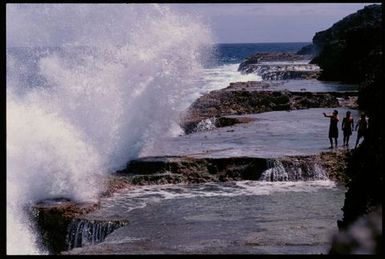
x=280 y=66
x=248 y=98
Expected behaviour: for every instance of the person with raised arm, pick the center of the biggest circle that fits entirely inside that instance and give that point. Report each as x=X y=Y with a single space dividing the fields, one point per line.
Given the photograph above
x=333 y=129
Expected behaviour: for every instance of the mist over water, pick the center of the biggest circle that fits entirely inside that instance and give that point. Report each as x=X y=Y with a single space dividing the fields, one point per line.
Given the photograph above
x=111 y=79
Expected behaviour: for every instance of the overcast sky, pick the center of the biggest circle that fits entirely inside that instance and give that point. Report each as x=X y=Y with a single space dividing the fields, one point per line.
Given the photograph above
x=279 y=22
x=44 y=25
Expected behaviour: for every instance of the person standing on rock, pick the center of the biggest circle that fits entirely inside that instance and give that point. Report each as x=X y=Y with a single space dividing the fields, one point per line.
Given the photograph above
x=333 y=129
x=347 y=127
x=362 y=125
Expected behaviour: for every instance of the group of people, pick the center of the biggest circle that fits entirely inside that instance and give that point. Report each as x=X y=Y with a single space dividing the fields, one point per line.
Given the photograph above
x=347 y=128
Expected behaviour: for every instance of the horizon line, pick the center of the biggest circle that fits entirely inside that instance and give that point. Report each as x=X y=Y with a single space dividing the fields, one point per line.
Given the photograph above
x=266 y=42
x=263 y=42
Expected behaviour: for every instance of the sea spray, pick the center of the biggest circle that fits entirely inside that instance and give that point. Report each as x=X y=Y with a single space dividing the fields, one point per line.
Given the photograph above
x=46 y=158
x=294 y=169
x=275 y=171
x=109 y=80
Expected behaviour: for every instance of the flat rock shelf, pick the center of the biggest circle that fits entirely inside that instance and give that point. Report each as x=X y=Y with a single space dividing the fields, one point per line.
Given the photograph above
x=243 y=217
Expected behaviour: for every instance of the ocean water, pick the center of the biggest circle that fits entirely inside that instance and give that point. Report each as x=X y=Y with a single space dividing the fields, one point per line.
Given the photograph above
x=90 y=87
x=221 y=68
x=242 y=217
x=232 y=53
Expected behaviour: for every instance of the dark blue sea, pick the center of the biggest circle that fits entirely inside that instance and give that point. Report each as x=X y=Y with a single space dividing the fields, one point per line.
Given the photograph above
x=222 y=68
x=233 y=53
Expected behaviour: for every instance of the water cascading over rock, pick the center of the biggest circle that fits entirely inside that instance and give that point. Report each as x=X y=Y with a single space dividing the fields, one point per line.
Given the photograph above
x=275 y=171
x=284 y=71
x=82 y=232
x=280 y=66
x=293 y=169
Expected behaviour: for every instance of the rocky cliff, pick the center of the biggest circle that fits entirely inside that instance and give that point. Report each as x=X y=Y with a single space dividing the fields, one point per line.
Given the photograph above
x=351 y=51
x=310 y=50
x=352 y=48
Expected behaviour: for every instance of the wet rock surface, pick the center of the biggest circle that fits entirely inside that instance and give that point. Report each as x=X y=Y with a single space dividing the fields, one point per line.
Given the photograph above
x=268 y=135
x=53 y=218
x=279 y=66
x=63 y=224
x=283 y=71
x=226 y=218
x=270 y=57
x=193 y=170
x=246 y=98
x=361 y=236
x=165 y=170
x=66 y=224
x=335 y=163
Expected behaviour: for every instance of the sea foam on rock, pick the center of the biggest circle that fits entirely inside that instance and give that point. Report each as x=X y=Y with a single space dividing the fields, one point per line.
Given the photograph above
x=280 y=66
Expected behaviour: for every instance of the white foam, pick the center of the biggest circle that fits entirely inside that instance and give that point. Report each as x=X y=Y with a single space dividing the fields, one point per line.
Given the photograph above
x=99 y=106
x=141 y=196
x=221 y=76
x=216 y=78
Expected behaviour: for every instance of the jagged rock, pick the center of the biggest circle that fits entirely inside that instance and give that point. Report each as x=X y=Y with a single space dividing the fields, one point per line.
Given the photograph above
x=351 y=49
x=65 y=224
x=59 y=219
x=244 y=98
x=280 y=66
x=226 y=121
x=283 y=71
x=291 y=74
x=348 y=101
x=310 y=50
x=269 y=57
x=335 y=163
x=217 y=122
x=246 y=86
x=161 y=170
x=53 y=218
x=364 y=236
x=351 y=52
x=116 y=183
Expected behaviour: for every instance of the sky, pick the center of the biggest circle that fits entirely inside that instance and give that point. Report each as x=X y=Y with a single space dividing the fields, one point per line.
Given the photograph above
x=44 y=24
x=278 y=22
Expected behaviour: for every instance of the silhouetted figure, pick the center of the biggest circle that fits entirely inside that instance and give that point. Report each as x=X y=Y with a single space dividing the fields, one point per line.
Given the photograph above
x=362 y=125
x=333 y=129
x=347 y=127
